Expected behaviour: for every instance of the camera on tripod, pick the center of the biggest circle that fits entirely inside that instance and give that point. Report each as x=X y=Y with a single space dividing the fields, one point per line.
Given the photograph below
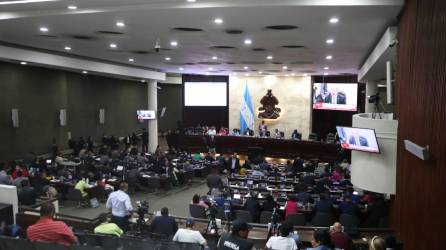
x=142 y=209
x=374 y=99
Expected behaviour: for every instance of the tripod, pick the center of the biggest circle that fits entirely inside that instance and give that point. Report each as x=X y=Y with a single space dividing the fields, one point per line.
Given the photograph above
x=273 y=226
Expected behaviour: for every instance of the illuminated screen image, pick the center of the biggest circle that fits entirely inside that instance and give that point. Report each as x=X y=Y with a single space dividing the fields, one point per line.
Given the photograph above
x=361 y=139
x=205 y=94
x=335 y=96
x=145 y=114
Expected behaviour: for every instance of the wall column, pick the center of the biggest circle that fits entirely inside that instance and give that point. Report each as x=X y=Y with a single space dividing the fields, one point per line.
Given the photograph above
x=371 y=88
x=152 y=101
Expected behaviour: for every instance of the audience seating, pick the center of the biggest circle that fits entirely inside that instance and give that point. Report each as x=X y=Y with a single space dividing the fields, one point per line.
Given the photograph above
x=8 y=243
x=75 y=195
x=312 y=137
x=153 y=184
x=243 y=215
x=323 y=220
x=265 y=217
x=49 y=246
x=297 y=219
x=350 y=223
x=197 y=211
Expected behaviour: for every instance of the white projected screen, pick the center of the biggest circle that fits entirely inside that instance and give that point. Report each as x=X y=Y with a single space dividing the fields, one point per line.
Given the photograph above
x=205 y=94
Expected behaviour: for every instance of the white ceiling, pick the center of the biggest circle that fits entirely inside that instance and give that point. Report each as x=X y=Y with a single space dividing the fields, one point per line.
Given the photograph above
x=359 y=28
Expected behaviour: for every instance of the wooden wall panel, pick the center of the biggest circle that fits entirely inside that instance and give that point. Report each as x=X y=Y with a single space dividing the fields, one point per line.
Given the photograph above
x=418 y=214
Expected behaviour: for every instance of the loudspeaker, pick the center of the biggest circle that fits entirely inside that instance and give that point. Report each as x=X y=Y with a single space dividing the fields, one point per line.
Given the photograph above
x=101 y=116
x=63 y=117
x=15 y=118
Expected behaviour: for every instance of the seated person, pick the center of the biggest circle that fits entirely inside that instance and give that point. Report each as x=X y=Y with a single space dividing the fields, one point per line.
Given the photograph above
x=27 y=195
x=107 y=227
x=164 y=224
x=269 y=204
x=296 y=135
x=289 y=167
x=19 y=168
x=82 y=185
x=18 y=180
x=348 y=207
x=337 y=175
x=291 y=206
x=284 y=241
x=340 y=239
x=321 y=240
x=303 y=196
x=324 y=205
x=277 y=134
x=48 y=230
x=196 y=200
x=253 y=206
x=188 y=235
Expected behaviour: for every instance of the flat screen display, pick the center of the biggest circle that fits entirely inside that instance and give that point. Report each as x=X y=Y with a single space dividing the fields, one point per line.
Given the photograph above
x=145 y=114
x=335 y=96
x=205 y=94
x=361 y=139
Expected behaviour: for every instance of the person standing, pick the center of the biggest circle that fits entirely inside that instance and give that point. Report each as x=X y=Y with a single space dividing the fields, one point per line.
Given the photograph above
x=237 y=240
x=121 y=206
x=262 y=129
x=145 y=140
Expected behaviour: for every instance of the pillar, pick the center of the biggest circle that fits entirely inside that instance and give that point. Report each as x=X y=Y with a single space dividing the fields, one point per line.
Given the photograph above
x=152 y=104
x=371 y=88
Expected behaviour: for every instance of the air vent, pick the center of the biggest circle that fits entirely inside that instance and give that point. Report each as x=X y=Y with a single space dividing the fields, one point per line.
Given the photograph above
x=209 y=63
x=281 y=27
x=258 y=49
x=293 y=46
x=223 y=47
x=108 y=32
x=84 y=37
x=47 y=36
x=252 y=63
x=140 y=52
x=187 y=29
x=234 y=31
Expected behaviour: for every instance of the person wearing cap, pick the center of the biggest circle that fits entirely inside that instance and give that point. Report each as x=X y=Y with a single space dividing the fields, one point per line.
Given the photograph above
x=284 y=241
x=237 y=240
x=188 y=235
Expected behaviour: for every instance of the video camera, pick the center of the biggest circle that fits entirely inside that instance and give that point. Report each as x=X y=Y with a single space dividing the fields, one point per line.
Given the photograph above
x=142 y=209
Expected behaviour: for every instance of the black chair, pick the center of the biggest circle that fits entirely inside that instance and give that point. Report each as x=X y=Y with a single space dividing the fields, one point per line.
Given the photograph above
x=350 y=223
x=221 y=214
x=136 y=244
x=188 y=246
x=76 y=196
x=153 y=184
x=88 y=239
x=265 y=217
x=197 y=211
x=243 y=215
x=331 y=138
x=297 y=219
x=80 y=247
x=312 y=137
x=8 y=243
x=49 y=246
x=109 y=242
x=323 y=220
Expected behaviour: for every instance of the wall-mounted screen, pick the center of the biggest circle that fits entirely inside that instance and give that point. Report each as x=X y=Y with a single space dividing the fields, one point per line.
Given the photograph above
x=361 y=139
x=335 y=96
x=145 y=114
x=205 y=94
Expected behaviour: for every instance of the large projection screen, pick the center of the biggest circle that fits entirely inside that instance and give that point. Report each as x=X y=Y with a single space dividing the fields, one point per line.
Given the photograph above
x=205 y=94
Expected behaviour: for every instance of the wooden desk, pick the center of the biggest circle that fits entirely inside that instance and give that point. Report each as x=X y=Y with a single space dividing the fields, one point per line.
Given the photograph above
x=283 y=148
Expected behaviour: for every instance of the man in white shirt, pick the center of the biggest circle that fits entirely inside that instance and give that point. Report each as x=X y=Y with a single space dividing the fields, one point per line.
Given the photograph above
x=121 y=206
x=188 y=235
x=284 y=241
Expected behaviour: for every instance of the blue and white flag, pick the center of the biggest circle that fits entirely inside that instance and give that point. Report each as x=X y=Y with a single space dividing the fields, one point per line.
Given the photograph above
x=246 y=112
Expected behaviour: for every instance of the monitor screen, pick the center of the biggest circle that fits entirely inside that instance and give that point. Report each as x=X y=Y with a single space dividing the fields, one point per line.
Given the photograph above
x=119 y=168
x=145 y=114
x=237 y=196
x=335 y=96
x=205 y=94
x=361 y=139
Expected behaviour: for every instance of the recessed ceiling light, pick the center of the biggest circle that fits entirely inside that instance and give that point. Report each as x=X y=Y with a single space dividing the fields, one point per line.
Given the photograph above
x=329 y=41
x=326 y=74
x=248 y=41
x=269 y=57
x=120 y=24
x=181 y=68
x=174 y=43
x=167 y=58
x=67 y=48
x=113 y=45
x=23 y=63
x=218 y=20
x=293 y=74
x=143 y=81
x=287 y=75
x=210 y=68
x=191 y=1
x=84 y=72
x=326 y=68
x=246 y=67
x=334 y=20
x=247 y=74
x=72 y=7
x=43 y=29
x=285 y=67
x=214 y=58
x=305 y=74
x=207 y=73
x=260 y=72
x=131 y=60
x=329 y=57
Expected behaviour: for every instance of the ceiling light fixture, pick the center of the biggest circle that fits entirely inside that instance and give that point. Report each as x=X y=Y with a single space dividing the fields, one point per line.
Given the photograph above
x=113 y=45
x=260 y=72
x=214 y=58
x=84 y=72
x=120 y=24
x=23 y=63
x=181 y=68
x=72 y=7
x=167 y=58
x=44 y=29
x=174 y=43
x=329 y=57
x=247 y=74
x=218 y=20
x=246 y=67
x=305 y=74
x=191 y=1
x=210 y=68
x=326 y=68
x=143 y=81
x=269 y=57
x=248 y=41
x=207 y=73
x=131 y=60
x=329 y=41
x=326 y=74
x=334 y=20
x=67 y=48
x=286 y=75
x=293 y=74
x=285 y=67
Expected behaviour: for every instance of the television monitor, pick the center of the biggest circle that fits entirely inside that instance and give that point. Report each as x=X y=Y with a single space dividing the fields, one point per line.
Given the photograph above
x=335 y=96
x=206 y=94
x=237 y=196
x=145 y=114
x=361 y=139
